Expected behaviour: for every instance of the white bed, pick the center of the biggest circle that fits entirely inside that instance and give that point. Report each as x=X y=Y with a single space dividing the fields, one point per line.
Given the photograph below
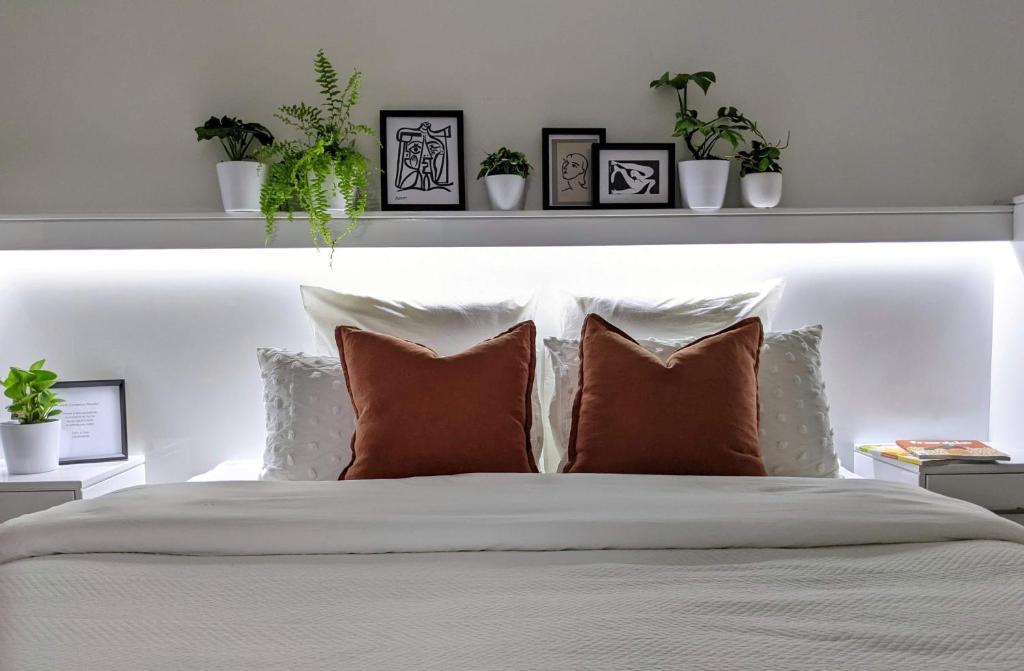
x=514 y=572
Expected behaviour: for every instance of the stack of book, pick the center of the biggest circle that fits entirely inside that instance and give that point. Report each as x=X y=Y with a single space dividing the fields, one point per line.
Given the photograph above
x=916 y=452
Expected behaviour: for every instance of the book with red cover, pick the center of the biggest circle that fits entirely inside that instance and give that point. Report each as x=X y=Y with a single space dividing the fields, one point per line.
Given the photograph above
x=959 y=450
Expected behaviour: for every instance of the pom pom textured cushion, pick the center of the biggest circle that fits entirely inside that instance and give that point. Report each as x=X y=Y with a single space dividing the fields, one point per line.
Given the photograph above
x=418 y=413
x=694 y=414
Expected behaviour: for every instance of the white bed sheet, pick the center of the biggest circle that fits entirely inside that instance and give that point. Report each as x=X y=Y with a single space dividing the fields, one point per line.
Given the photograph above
x=695 y=580
x=249 y=469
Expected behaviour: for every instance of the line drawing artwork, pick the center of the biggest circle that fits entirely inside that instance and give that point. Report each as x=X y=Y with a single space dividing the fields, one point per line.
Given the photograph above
x=423 y=158
x=633 y=177
x=574 y=172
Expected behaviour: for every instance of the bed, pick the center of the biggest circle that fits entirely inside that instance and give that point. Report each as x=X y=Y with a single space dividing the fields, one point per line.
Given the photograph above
x=514 y=571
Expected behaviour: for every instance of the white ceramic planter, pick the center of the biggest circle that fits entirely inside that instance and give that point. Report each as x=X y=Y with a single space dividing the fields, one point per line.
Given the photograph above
x=505 y=191
x=240 y=183
x=761 y=189
x=703 y=183
x=336 y=202
x=31 y=448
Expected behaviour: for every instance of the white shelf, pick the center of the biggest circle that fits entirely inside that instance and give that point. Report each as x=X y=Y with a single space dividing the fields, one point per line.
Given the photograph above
x=548 y=228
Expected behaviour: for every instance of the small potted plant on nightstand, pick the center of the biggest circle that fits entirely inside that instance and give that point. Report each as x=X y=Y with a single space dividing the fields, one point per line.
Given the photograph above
x=704 y=178
x=241 y=176
x=31 y=441
x=760 y=172
x=504 y=173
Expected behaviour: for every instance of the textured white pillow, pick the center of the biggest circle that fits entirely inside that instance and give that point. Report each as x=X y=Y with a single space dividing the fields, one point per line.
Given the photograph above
x=309 y=416
x=796 y=434
x=674 y=315
x=447 y=328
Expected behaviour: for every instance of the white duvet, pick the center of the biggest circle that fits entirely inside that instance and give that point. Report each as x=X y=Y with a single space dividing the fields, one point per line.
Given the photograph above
x=651 y=573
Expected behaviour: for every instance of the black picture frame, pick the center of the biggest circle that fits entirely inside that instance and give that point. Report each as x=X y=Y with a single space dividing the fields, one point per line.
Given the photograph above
x=670 y=183
x=387 y=173
x=548 y=173
x=78 y=384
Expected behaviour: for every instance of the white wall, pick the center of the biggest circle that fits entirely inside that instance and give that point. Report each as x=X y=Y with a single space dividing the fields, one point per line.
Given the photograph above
x=891 y=102
x=907 y=348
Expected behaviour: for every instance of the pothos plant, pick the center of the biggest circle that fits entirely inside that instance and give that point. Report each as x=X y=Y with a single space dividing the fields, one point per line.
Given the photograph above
x=763 y=155
x=32 y=400
x=700 y=137
x=324 y=162
x=236 y=136
x=505 y=162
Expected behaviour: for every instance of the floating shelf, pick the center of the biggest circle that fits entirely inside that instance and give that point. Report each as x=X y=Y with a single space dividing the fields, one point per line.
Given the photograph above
x=548 y=228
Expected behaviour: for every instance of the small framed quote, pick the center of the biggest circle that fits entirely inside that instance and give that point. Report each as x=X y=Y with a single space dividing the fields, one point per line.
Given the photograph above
x=568 y=175
x=421 y=160
x=634 y=175
x=93 y=422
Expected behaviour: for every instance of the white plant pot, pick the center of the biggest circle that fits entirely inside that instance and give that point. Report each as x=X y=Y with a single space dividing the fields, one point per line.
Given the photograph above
x=761 y=189
x=336 y=202
x=240 y=184
x=505 y=191
x=703 y=183
x=31 y=448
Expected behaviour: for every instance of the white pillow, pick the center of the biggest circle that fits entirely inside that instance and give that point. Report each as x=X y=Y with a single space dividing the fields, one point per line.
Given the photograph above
x=796 y=433
x=674 y=315
x=309 y=416
x=445 y=328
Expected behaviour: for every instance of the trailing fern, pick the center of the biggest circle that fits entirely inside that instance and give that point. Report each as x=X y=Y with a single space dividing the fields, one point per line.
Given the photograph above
x=323 y=163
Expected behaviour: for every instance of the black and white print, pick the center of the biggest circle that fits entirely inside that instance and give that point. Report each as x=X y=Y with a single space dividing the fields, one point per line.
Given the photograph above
x=421 y=160
x=568 y=173
x=634 y=175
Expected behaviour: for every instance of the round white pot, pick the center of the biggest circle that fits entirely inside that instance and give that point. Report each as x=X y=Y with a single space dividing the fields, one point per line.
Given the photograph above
x=240 y=183
x=761 y=189
x=336 y=202
x=31 y=448
x=505 y=191
x=703 y=183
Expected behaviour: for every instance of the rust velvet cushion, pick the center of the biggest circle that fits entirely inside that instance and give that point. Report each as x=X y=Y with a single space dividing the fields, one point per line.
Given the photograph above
x=696 y=414
x=418 y=413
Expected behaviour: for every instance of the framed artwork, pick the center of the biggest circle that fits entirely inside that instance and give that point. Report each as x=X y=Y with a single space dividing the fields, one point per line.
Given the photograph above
x=421 y=160
x=94 y=424
x=632 y=175
x=568 y=175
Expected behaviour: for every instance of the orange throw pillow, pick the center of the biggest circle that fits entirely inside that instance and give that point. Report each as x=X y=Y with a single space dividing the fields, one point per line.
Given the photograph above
x=696 y=414
x=418 y=413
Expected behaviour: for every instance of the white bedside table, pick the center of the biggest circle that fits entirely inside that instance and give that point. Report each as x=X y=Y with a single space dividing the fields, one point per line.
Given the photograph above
x=997 y=486
x=22 y=494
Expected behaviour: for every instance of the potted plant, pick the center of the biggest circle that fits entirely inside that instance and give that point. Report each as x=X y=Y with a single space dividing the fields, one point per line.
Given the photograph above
x=241 y=175
x=504 y=173
x=31 y=441
x=704 y=178
x=323 y=172
x=760 y=172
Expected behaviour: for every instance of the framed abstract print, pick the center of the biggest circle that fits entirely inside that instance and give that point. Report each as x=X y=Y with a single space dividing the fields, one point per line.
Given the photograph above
x=421 y=160
x=568 y=174
x=634 y=175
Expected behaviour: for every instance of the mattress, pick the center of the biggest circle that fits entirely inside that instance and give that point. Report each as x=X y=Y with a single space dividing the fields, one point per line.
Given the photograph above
x=514 y=572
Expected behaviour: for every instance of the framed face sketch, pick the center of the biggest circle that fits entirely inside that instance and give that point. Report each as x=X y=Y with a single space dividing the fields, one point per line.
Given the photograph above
x=421 y=160
x=634 y=175
x=568 y=175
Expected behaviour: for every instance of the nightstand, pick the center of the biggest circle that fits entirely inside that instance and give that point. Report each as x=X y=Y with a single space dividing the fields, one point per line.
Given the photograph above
x=998 y=486
x=23 y=494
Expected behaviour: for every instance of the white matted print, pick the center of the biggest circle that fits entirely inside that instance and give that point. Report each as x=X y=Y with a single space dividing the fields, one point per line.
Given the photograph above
x=93 y=422
x=634 y=175
x=421 y=160
x=568 y=174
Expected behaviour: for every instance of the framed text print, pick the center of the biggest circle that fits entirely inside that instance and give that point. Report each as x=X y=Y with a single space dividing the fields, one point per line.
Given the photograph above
x=634 y=175
x=568 y=175
x=94 y=426
x=421 y=160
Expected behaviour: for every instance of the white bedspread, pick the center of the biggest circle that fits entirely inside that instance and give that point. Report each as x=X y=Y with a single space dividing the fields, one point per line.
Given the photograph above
x=697 y=573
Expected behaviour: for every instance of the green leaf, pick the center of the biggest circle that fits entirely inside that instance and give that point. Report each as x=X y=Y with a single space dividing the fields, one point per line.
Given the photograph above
x=37 y=365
